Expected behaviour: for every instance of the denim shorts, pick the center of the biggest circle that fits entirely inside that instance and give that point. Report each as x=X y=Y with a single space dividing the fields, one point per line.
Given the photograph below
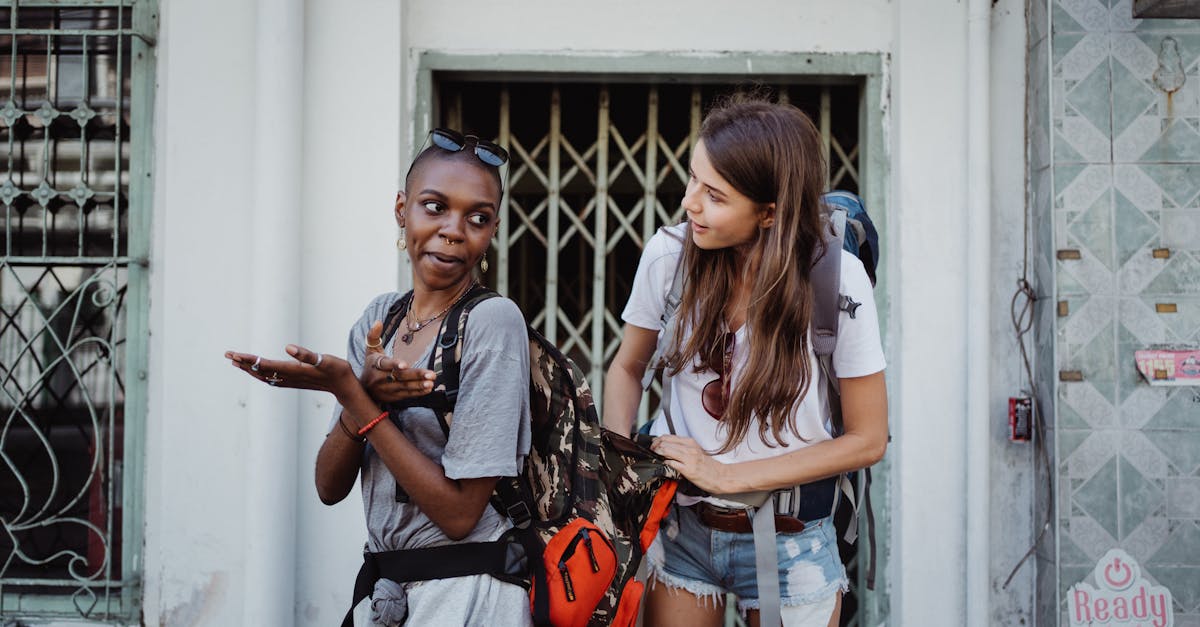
x=708 y=563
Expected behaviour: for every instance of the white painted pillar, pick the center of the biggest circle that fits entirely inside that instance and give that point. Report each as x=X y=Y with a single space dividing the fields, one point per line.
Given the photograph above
x=270 y=506
x=978 y=307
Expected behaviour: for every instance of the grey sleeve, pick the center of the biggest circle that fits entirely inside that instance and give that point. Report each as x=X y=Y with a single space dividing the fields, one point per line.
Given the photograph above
x=489 y=435
x=356 y=350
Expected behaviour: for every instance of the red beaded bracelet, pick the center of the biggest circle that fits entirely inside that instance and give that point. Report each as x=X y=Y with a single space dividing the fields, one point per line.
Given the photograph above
x=371 y=425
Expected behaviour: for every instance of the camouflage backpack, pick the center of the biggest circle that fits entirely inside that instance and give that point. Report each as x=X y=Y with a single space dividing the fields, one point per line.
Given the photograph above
x=585 y=508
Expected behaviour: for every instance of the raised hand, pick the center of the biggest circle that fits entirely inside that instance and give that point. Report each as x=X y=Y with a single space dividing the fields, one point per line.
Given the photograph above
x=306 y=370
x=388 y=380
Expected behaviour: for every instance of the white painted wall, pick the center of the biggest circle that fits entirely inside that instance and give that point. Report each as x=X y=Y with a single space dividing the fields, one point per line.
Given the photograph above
x=355 y=108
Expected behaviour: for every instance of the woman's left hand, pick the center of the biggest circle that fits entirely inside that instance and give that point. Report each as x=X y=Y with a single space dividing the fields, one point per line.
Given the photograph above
x=306 y=370
x=686 y=456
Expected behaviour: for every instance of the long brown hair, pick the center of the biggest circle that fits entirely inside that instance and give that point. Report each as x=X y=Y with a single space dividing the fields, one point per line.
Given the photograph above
x=771 y=153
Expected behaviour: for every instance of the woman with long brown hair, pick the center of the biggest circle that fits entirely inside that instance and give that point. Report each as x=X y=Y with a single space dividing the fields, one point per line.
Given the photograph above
x=750 y=411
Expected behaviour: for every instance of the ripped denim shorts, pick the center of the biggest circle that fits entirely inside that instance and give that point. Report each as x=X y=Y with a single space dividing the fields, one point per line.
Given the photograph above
x=708 y=563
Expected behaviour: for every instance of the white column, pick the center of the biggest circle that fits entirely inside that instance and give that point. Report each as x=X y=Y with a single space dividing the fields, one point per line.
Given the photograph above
x=978 y=307
x=270 y=506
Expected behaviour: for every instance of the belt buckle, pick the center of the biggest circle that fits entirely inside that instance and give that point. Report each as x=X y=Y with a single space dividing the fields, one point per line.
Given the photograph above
x=721 y=510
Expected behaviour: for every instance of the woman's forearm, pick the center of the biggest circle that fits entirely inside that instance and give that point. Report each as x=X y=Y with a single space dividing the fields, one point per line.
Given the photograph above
x=623 y=382
x=864 y=414
x=622 y=395
x=455 y=506
x=338 y=462
x=848 y=452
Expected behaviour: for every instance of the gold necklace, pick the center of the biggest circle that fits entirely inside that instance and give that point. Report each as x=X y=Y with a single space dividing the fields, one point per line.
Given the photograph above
x=414 y=328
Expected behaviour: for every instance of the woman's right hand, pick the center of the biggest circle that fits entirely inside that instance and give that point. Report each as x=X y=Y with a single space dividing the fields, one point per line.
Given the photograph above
x=389 y=380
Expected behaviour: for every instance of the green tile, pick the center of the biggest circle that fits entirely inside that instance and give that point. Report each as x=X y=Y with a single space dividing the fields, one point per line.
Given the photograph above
x=1188 y=43
x=1179 y=143
x=1064 y=152
x=1098 y=497
x=1180 y=183
x=1178 y=413
x=1138 y=497
x=1069 y=440
x=1181 y=275
x=1130 y=98
x=1069 y=419
x=1069 y=286
x=1062 y=22
x=1071 y=555
x=1129 y=379
x=1064 y=175
x=1184 y=584
x=1182 y=325
x=1097 y=360
x=1134 y=229
x=1093 y=230
x=1092 y=98
x=1061 y=45
x=1181 y=549
x=1181 y=448
x=1069 y=576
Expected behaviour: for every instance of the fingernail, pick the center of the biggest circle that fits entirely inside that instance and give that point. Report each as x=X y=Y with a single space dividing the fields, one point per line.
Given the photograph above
x=291 y=349
x=428 y=385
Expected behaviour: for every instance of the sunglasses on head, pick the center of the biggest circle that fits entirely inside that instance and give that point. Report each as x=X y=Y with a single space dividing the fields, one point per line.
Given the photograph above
x=454 y=141
x=715 y=394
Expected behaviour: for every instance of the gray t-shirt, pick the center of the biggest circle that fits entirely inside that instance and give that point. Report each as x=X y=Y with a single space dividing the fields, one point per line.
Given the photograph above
x=489 y=435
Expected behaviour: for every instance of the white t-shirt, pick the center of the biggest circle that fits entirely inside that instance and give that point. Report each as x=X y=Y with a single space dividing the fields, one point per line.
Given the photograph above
x=858 y=353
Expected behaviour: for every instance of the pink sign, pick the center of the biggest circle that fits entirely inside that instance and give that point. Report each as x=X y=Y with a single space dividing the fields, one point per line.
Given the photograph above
x=1169 y=367
x=1122 y=598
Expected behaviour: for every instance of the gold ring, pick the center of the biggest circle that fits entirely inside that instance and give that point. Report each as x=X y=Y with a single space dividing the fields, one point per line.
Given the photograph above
x=378 y=344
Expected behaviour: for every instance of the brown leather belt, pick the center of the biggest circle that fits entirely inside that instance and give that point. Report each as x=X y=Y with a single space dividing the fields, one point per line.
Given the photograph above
x=738 y=521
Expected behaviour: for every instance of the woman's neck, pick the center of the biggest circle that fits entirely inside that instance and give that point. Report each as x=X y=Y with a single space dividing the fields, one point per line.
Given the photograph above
x=427 y=301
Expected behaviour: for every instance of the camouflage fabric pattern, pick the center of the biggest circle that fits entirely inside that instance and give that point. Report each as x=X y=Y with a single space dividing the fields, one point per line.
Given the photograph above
x=575 y=468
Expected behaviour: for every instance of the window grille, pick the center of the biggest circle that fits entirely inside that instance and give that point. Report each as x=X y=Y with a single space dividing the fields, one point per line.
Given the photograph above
x=75 y=80
x=594 y=170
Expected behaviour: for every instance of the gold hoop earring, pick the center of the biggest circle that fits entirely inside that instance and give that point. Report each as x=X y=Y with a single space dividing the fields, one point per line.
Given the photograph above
x=401 y=242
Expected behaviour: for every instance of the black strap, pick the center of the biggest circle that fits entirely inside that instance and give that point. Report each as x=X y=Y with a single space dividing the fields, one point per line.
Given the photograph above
x=504 y=559
x=870 y=528
x=364 y=583
x=395 y=314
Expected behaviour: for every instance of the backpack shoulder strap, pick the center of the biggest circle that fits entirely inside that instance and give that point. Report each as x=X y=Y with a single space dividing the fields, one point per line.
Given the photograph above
x=446 y=358
x=826 y=285
x=395 y=315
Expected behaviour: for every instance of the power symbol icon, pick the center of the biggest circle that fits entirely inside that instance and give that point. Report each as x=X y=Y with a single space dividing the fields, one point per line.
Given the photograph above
x=1118 y=574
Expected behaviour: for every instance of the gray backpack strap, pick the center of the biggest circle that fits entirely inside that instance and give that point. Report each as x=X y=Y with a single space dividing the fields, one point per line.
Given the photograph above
x=826 y=280
x=766 y=555
x=666 y=338
x=766 y=564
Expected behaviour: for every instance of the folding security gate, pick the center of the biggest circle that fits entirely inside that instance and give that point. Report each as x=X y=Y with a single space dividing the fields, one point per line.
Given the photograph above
x=595 y=170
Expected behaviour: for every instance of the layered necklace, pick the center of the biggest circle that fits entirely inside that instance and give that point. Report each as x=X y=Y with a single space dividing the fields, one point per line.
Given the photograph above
x=414 y=327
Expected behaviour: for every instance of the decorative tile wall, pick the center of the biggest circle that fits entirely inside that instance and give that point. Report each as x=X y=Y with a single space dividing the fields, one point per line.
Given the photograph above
x=1124 y=108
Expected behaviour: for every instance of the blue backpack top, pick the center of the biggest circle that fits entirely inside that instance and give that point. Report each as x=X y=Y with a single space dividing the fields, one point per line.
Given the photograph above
x=861 y=238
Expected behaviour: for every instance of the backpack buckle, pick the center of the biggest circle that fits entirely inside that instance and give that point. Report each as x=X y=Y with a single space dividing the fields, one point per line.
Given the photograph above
x=519 y=514
x=848 y=305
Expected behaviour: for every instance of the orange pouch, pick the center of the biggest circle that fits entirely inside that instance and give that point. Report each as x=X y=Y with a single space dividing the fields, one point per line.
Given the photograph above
x=631 y=601
x=580 y=566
